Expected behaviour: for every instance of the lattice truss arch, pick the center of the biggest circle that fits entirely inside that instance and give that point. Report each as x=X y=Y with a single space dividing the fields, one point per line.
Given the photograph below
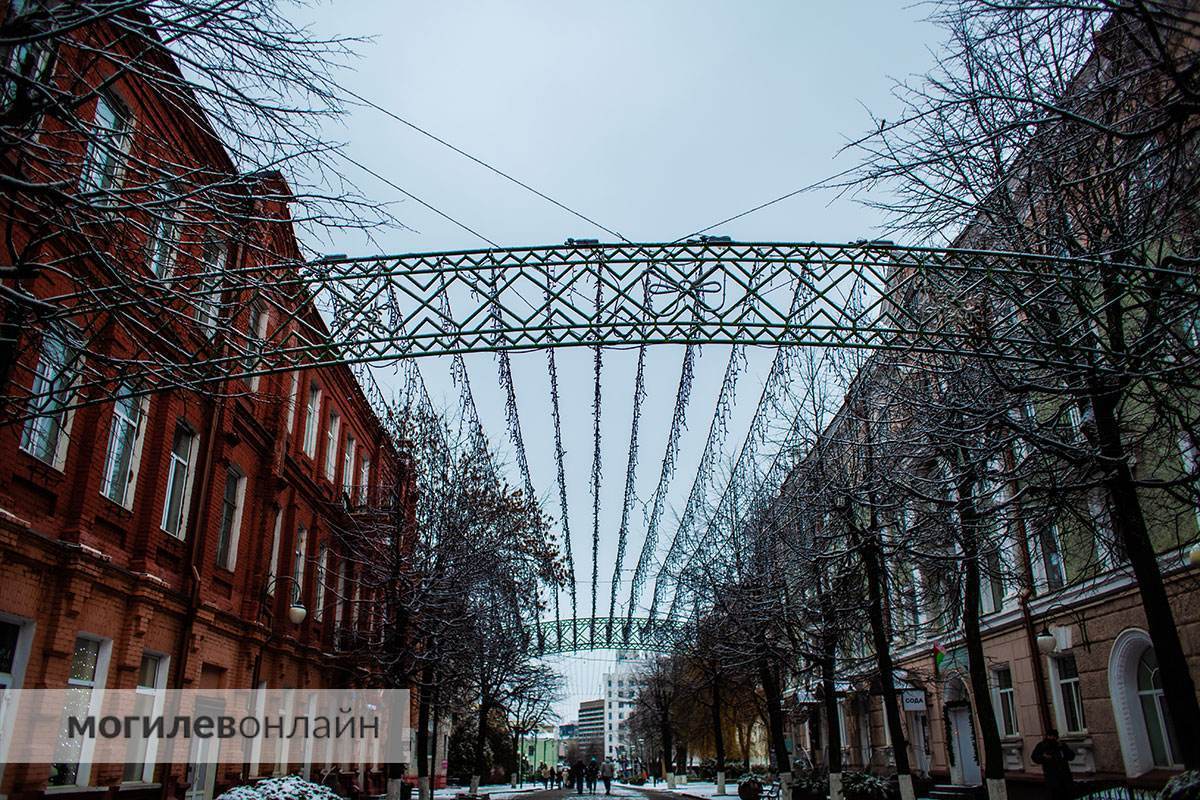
x=863 y=295
x=647 y=634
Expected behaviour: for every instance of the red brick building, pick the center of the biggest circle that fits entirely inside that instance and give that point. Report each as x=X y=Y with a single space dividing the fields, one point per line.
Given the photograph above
x=159 y=540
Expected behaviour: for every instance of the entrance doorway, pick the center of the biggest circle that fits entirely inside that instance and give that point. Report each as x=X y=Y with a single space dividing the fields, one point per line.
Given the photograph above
x=966 y=771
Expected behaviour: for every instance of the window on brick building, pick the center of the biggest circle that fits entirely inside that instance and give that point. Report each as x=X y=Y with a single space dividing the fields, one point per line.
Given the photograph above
x=151 y=683
x=163 y=230
x=364 y=481
x=27 y=64
x=293 y=400
x=179 y=481
x=273 y=567
x=46 y=431
x=1006 y=701
x=208 y=294
x=332 y=432
x=311 y=415
x=124 y=448
x=107 y=146
x=256 y=341
x=232 y=504
x=298 y=563
x=348 y=468
x=1070 y=698
x=322 y=565
x=89 y=663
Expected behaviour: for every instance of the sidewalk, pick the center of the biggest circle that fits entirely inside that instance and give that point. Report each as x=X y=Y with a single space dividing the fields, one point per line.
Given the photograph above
x=703 y=790
x=497 y=791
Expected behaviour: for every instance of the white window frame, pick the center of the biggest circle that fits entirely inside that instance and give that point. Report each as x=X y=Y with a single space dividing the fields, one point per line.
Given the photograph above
x=293 y=401
x=364 y=480
x=158 y=692
x=273 y=567
x=348 y=466
x=162 y=234
x=1006 y=697
x=103 y=171
x=256 y=338
x=1041 y=576
x=235 y=524
x=214 y=259
x=333 y=430
x=312 y=418
x=83 y=773
x=188 y=478
x=322 y=564
x=13 y=680
x=339 y=601
x=121 y=421
x=60 y=422
x=1058 y=681
x=299 y=563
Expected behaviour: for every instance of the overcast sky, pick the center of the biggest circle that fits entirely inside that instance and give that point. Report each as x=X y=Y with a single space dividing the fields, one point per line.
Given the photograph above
x=655 y=118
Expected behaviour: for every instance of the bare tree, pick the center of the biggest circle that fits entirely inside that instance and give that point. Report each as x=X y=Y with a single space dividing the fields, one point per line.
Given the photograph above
x=1070 y=129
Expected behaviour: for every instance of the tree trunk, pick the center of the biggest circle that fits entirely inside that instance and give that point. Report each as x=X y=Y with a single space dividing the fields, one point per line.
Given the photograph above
x=985 y=713
x=480 y=744
x=718 y=733
x=873 y=566
x=773 y=694
x=435 y=709
x=423 y=703
x=1129 y=522
x=829 y=699
x=668 y=742
x=681 y=770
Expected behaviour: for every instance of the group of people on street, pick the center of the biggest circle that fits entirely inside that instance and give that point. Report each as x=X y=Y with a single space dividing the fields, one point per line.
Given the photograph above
x=582 y=776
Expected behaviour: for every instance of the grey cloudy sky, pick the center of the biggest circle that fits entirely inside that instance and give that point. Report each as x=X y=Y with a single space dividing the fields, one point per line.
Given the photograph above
x=654 y=117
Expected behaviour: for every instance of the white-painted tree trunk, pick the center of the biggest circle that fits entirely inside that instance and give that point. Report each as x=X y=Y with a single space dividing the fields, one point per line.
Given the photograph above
x=906 y=788
x=997 y=789
x=423 y=792
x=785 y=786
x=394 y=788
x=835 y=786
x=670 y=780
x=681 y=780
x=721 y=782
x=474 y=784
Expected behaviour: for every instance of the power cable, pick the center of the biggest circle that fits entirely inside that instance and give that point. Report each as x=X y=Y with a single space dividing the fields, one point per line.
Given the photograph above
x=485 y=165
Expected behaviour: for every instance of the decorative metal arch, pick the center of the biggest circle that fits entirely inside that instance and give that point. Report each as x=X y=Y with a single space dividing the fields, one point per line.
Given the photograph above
x=864 y=295
x=659 y=635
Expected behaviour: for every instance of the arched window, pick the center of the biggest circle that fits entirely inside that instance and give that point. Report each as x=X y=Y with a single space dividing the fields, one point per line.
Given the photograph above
x=1155 y=714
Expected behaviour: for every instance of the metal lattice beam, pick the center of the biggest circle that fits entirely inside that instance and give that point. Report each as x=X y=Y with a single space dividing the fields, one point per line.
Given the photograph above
x=871 y=295
x=659 y=635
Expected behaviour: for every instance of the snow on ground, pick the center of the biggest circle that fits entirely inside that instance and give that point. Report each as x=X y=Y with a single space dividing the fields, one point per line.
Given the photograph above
x=497 y=791
x=705 y=789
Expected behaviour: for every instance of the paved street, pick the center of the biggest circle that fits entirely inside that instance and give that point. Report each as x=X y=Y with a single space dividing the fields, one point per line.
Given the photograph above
x=571 y=794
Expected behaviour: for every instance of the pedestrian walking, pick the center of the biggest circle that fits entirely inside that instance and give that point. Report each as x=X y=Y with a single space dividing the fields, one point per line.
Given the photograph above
x=1055 y=758
x=577 y=775
x=593 y=772
x=606 y=774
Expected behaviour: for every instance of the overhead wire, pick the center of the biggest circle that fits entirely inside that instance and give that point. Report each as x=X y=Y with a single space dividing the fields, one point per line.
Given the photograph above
x=424 y=132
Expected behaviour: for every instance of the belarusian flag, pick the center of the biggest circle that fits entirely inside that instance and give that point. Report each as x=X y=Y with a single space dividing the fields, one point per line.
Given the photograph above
x=939 y=655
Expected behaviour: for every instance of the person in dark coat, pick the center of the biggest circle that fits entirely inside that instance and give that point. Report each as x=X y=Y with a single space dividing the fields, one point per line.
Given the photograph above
x=577 y=772
x=1055 y=758
x=593 y=771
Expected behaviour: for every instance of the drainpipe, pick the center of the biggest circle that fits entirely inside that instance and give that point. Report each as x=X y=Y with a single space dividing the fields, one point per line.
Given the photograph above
x=196 y=541
x=1035 y=656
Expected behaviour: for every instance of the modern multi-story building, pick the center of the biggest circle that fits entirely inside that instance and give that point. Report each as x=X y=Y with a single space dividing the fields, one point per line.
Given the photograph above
x=589 y=731
x=183 y=537
x=619 y=697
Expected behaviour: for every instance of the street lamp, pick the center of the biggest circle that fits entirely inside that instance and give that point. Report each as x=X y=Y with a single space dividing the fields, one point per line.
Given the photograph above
x=297 y=612
x=1193 y=555
x=1046 y=642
